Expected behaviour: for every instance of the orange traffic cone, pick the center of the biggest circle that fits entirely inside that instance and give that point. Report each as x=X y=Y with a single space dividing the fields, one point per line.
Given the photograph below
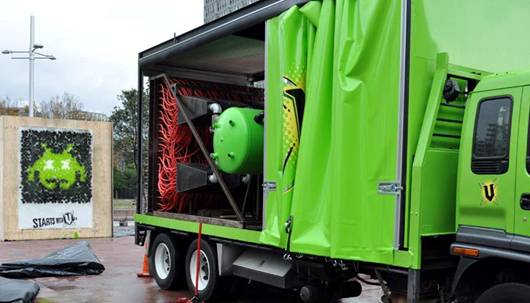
x=145 y=267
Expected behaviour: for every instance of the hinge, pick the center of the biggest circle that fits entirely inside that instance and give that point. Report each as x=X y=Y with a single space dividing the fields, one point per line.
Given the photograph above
x=389 y=188
x=288 y=225
x=288 y=230
x=269 y=186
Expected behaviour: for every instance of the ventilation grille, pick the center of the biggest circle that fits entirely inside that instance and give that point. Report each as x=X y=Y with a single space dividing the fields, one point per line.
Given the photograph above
x=448 y=127
x=487 y=167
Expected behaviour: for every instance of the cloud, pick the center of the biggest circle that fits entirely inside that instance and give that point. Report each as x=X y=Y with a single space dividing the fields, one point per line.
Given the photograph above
x=96 y=44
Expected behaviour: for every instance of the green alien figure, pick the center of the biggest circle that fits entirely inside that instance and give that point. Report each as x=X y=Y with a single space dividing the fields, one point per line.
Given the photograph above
x=57 y=169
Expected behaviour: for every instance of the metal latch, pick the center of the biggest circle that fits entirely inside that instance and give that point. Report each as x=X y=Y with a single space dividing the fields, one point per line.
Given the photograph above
x=389 y=188
x=269 y=185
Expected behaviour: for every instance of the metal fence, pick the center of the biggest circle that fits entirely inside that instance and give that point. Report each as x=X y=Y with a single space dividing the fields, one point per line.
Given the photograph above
x=214 y=9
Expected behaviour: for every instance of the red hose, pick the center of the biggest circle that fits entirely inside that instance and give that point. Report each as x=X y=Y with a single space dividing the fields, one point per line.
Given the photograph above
x=176 y=142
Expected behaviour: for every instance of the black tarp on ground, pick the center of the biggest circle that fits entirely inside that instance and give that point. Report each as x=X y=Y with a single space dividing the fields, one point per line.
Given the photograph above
x=74 y=260
x=17 y=291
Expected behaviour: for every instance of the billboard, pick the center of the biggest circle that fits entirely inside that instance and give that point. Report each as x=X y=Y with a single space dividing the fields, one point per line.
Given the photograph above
x=55 y=178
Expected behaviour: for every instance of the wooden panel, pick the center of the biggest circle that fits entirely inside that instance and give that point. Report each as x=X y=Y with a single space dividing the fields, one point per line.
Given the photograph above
x=207 y=220
x=10 y=178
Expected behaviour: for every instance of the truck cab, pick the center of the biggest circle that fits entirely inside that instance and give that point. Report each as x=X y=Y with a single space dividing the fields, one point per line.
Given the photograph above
x=493 y=190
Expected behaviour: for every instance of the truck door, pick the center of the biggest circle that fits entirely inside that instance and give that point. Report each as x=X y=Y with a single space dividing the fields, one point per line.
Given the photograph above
x=522 y=187
x=487 y=166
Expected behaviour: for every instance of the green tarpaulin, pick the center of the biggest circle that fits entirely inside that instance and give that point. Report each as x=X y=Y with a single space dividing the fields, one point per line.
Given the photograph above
x=349 y=128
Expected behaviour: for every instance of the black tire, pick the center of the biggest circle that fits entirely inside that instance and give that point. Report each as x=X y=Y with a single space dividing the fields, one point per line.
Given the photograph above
x=506 y=293
x=212 y=279
x=175 y=269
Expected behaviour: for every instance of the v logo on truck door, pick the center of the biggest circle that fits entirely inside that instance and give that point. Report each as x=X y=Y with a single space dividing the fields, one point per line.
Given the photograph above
x=489 y=193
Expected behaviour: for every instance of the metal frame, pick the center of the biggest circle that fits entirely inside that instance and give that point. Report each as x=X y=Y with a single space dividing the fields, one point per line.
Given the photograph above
x=138 y=231
x=413 y=286
x=139 y=172
x=265 y=191
x=399 y=229
x=153 y=141
x=200 y=75
x=232 y=23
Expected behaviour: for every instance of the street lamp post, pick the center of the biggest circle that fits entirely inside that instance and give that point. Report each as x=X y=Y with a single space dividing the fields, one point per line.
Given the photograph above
x=32 y=56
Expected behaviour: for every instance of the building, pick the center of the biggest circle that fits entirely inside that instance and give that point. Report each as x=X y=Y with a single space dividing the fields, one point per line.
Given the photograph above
x=214 y=9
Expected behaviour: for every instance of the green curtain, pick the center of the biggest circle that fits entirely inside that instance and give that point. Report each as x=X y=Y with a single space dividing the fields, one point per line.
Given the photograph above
x=348 y=134
x=288 y=38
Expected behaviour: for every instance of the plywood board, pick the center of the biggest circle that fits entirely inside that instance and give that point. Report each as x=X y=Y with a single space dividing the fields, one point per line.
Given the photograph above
x=55 y=178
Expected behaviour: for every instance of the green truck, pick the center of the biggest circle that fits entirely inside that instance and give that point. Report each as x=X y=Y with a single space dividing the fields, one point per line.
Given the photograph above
x=310 y=143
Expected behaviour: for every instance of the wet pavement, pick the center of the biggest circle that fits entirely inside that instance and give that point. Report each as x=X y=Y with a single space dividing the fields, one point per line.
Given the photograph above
x=118 y=283
x=123 y=231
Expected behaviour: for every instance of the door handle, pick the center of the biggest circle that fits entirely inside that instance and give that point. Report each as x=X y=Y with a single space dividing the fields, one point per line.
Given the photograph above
x=525 y=201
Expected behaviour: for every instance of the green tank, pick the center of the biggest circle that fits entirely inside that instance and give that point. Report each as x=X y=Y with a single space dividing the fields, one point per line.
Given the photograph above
x=238 y=141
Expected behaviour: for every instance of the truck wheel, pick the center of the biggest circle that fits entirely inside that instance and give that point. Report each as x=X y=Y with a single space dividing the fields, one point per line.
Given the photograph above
x=208 y=273
x=165 y=262
x=313 y=294
x=506 y=293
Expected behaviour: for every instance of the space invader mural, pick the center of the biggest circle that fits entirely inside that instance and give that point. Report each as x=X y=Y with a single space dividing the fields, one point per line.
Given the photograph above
x=57 y=169
x=56 y=178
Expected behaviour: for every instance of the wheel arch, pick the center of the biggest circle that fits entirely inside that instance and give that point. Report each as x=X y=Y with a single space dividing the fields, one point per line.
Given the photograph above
x=473 y=276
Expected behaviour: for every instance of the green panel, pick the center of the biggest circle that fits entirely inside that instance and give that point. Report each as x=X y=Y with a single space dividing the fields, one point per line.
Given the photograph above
x=456 y=27
x=485 y=34
x=233 y=233
x=521 y=222
x=438 y=196
x=504 y=80
x=433 y=173
x=473 y=208
x=238 y=141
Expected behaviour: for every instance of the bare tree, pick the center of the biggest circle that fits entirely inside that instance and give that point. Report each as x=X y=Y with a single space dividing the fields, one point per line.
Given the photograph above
x=60 y=107
x=11 y=107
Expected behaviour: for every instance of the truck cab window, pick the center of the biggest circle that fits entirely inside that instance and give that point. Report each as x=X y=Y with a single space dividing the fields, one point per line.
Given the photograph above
x=491 y=142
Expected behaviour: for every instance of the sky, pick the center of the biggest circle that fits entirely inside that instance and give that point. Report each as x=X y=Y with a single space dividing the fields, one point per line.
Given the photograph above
x=96 y=44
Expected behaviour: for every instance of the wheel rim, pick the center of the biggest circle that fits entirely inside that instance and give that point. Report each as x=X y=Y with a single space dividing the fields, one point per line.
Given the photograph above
x=162 y=261
x=204 y=272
